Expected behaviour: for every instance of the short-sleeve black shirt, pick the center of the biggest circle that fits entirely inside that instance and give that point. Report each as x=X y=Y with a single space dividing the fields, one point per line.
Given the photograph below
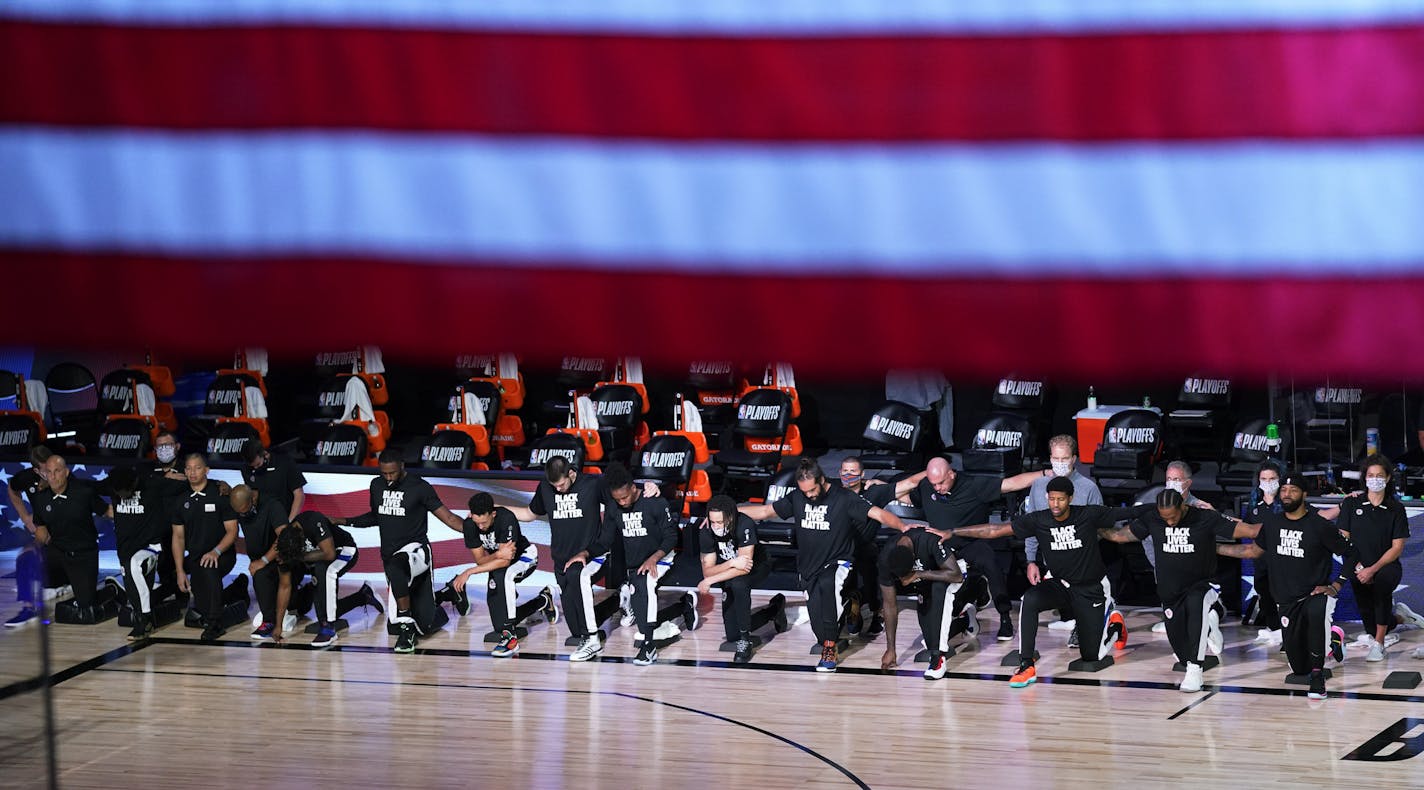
x=505 y=529
x=931 y=554
x=825 y=529
x=1069 y=548
x=259 y=526
x=575 y=521
x=1186 y=553
x=202 y=514
x=1373 y=528
x=1301 y=553
x=275 y=481
x=400 y=511
x=69 y=516
x=743 y=534
x=141 y=519
x=644 y=528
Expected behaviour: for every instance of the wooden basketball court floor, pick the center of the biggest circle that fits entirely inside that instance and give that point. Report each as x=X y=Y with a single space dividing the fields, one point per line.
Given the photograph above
x=172 y=712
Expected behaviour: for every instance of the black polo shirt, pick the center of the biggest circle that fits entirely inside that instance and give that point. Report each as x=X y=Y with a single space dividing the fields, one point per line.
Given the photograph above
x=931 y=554
x=203 y=515
x=575 y=521
x=69 y=516
x=259 y=526
x=275 y=481
x=140 y=520
x=28 y=483
x=1373 y=528
x=1069 y=548
x=825 y=528
x=645 y=527
x=400 y=512
x=743 y=534
x=1301 y=553
x=1186 y=553
x=504 y=529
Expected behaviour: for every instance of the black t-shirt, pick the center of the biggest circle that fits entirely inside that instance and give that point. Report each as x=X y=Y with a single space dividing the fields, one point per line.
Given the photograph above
x=28 y=483
x=931 y=554
x=967 y=503
x=743 y=534
x=275 y=481
x=400 y=512
x=1186 y=553
x=69 y=516
x=646 y=527
x=259 y=526
x=825 y=529
x=140 y=520
x=170 y=488
x=1258 y=510
x=316 y=527
x=505 y=529
x=575 y=522
x=202 y=515
x=1373 y=528
x=1069 y=548
x=1301 y=553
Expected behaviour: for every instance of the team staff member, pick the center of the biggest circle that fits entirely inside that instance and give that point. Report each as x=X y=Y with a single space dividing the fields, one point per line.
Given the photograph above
x=878 y=494
x=1378 y=527
x=1076 y=580
x=573 y=504
x=951 y=500
x=826 y=520
x=399 y=504
x=1186 y=539
x=1301 y=546
x=493 y=536
x=29 y=563
x=279 y=481
x=649 y=535
x=312 y=544
x=168 y=475
x=733 y=559
x=1265 y=501
x=920 y=564
x=140 y=526
x=64 y=526
x=261 y=521
x=204 y=533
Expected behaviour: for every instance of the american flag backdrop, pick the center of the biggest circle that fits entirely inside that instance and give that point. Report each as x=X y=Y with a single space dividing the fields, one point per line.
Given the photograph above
x=1101 y=188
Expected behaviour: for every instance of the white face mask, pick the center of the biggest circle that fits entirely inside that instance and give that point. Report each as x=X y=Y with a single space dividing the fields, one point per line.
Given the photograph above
x=1180 y=486
x=166 y=452
x=1375 y=484
x=1270 y=487
x=1062 y=468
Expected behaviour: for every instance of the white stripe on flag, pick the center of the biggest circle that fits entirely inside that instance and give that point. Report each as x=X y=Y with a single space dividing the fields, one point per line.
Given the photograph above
x=753 y=17
x=913 y=210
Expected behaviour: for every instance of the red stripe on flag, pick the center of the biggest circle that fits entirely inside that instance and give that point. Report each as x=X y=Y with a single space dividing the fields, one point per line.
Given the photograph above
x=1312 y=83
x=1072 y=329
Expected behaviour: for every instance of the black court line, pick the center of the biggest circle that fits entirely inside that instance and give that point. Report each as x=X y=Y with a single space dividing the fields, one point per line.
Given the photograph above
x=1204 y=698
x=20 y=687
x=480 y=687
x=764 y=667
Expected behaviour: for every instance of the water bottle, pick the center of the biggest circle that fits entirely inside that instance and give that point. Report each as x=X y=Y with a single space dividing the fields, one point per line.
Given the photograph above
x=1092 y=400
x=1371 y=441
x=1273 y=440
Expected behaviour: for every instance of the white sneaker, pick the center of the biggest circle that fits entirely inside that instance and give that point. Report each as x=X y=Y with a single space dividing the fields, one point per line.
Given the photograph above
x=55 y=593
x=1160 y=627
x=289 y=623
x=662 y=633
x=1363 y=639
x=1192 y=683
x=971 y=623
x=1268 y=636
x=1408 y=615
x=625 y=603
x=1215 y=641
x=1390 y=640
x=1418 y=652
x=590 y=647
x=1063 y=625
x=1376 y=653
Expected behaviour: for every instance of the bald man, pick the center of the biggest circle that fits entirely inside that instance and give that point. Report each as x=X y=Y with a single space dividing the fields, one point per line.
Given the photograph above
x=951 y=500
x=261 y=521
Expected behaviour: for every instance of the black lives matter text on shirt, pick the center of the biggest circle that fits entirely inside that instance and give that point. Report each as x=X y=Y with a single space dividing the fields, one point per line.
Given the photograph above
x=1069 y=548
x=825 y=527
x=1186 y=553
x=1301 y=553
x=400 y=511
x=504 y=529
x=645 y=527
x=140 y=520
x=575 y=517
x=742 y=534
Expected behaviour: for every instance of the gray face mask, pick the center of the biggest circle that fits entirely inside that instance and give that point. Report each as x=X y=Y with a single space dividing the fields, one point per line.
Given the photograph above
x=1270 y=487
x=166 y=452
x=1376 y=484
x=1062 y=468
x=1180 y=486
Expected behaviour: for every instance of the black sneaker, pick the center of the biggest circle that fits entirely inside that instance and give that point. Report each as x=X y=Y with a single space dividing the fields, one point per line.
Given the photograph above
x=690 y=617
x=460 y=598
x=1317 y=685
x=1337 y=644
x=142 y=627
x=877 y=625
x=779 y=619
x=211 y=633
x=405 y=642
x=1006 y=630
x=369 y=598
x=1073 y=638
x=853 y=620
x=116 y=588
x=551 y=612
x=238 y=588
x=647 y=654
x=743 y=653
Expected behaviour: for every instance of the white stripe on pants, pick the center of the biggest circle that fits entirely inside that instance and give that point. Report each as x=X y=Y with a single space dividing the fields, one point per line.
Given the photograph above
x=590 y=570
x=651 y=581
x=1213 y=594
x=1105 y=644
x=344 y=555
x=946 y=615
x=514 y=573
x=140 y=565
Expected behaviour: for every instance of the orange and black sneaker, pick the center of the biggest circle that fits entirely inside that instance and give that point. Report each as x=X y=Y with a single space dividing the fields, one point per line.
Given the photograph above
x=1025 y=676
x=828 y=657
x=1115 y=621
